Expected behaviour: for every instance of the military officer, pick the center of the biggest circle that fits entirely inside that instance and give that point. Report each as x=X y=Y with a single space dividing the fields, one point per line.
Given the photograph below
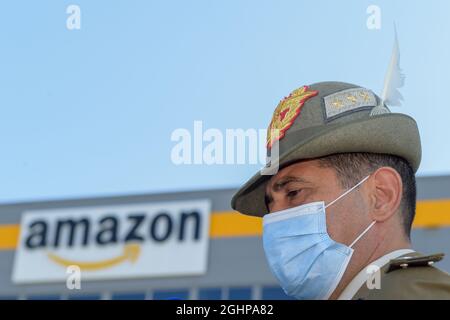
x=340 y=200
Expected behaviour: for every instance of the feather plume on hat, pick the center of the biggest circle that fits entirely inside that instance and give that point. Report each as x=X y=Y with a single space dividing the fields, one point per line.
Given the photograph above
x=393 y=80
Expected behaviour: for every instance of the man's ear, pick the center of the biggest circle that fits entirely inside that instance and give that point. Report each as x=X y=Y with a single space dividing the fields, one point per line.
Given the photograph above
x=386 y=190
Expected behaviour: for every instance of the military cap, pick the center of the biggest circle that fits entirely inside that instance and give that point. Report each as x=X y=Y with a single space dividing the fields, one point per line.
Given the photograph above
x=327 y=118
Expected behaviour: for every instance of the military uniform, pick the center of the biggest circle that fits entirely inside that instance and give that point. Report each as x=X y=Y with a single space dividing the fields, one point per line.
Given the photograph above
x=411 y=276
x=334 y=117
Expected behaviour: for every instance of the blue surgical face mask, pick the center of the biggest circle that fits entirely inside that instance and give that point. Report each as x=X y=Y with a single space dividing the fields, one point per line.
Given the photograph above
x=301 y=254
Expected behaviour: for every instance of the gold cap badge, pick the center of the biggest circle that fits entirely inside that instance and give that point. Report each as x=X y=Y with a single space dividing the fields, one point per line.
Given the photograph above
x=286 y=112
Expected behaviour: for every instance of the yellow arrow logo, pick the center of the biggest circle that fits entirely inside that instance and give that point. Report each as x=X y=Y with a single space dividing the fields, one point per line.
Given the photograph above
x=131 y=252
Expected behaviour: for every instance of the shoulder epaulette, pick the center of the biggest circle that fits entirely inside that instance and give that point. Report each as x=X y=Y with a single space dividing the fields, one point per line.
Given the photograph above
x=414 y=261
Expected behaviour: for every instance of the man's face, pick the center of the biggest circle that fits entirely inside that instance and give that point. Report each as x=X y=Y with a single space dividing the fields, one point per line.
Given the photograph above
x=305 y=182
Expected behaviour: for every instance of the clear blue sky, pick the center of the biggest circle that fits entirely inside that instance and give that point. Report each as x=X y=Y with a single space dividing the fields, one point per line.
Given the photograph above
x=90 y=112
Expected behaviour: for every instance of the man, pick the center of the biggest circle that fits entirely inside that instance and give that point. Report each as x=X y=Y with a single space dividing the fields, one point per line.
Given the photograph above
x=337 y=213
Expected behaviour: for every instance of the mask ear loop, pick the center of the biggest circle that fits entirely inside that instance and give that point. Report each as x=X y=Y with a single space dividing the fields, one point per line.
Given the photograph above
x=343 y=195
x=348 y=191
x=363 y=233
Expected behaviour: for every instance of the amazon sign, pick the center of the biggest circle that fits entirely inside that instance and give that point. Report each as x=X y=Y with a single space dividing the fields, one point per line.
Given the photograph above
x=114 y=242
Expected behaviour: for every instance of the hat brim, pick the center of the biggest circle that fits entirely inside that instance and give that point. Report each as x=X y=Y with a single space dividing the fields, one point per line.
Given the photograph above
x=392 y=133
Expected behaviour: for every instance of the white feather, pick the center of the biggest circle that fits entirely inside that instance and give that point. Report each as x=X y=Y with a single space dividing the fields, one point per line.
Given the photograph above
x=394 y=79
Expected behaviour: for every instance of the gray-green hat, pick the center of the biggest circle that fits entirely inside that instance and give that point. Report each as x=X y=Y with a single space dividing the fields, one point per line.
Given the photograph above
x=327 y=118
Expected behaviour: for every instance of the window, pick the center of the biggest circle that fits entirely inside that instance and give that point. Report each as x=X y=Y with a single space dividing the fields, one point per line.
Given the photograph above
x=210 y=294
x=274 y=293
x=128 y=296
x=181 y=294
x=240 y=293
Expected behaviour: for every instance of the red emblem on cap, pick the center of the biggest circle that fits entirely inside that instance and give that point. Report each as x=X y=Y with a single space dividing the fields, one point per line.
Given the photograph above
x=286 y=112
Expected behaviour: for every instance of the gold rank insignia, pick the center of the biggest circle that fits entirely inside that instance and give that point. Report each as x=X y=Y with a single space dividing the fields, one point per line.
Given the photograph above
x=286 y=112
x=347 y=101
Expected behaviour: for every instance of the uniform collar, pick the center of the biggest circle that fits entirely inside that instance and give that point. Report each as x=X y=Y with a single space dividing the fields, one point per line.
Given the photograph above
x=361 y=278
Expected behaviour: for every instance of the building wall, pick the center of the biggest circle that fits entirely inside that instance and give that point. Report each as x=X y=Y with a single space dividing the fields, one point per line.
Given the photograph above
x=236 y=264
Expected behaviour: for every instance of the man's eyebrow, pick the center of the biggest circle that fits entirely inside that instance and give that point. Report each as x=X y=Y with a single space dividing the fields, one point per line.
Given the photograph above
x=285 y=180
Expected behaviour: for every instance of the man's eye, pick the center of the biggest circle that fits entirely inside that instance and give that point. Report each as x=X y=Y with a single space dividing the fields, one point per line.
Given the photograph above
x=293 y=193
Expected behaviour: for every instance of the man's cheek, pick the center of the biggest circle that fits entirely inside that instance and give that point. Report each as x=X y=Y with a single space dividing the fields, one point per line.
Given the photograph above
x=334 y=227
